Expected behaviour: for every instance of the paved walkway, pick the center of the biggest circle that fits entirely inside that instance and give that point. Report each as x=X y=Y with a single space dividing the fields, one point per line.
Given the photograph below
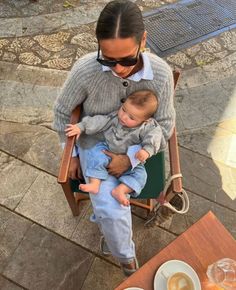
x=42 y=246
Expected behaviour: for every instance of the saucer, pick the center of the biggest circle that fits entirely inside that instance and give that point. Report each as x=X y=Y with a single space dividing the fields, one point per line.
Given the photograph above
x=133 y=288
x=171 y=267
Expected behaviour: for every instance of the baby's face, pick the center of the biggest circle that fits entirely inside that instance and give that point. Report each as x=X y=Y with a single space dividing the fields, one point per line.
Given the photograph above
x=131 y=116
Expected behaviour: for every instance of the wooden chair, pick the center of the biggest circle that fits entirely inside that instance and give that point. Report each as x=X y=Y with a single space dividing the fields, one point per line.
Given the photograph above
x=155 y=167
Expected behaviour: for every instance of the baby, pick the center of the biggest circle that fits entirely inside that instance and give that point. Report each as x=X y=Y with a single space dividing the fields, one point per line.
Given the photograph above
x=131 y=125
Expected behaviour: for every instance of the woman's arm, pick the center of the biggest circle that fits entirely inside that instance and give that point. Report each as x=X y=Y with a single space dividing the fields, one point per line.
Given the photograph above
x=165 y=115
x=74 y=92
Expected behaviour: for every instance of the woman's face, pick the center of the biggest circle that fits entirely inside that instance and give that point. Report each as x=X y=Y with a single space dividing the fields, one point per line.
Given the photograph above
x=121 y=48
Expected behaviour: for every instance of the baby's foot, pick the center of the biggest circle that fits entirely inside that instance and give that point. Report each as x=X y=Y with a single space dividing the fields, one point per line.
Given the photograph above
x=120 y=196
x=89 y=187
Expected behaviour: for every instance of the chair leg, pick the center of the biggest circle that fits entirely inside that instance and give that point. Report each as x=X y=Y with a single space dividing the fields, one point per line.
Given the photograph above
x=148 y=206
x=70 y=198
x=80 y=197
x=150 y=203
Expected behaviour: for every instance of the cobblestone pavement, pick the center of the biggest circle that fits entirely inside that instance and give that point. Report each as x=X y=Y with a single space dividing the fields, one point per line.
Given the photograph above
x=42 y=246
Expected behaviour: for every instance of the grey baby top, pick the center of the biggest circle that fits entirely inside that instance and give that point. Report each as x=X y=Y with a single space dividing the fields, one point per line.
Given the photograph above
x=118 y=137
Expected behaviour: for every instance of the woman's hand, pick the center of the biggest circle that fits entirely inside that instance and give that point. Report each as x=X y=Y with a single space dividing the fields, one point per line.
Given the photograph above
x=75 y=169
x=119 y=163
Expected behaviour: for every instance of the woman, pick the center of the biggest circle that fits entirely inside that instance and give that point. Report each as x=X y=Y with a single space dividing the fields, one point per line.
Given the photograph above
x=100 y=81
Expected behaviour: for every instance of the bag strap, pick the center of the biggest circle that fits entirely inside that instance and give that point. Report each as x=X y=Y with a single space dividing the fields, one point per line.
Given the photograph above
x=162 y=201
x=183 y=195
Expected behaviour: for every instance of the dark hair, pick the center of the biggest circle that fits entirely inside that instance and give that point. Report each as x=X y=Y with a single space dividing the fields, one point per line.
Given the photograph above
x=146 y=100
x=120 y=18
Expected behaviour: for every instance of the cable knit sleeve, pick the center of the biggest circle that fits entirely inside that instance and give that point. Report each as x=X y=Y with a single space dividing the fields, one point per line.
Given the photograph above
x=73 y=93
x=165 y=115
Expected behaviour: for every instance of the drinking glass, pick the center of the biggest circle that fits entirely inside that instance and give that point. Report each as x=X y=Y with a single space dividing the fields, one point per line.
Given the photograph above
x=223 y=273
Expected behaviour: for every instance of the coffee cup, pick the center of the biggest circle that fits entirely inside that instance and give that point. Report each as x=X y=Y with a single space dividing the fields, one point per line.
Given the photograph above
x=180 y=281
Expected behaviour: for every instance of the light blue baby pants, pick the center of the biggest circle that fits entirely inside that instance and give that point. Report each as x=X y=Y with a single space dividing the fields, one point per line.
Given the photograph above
x=97 y=162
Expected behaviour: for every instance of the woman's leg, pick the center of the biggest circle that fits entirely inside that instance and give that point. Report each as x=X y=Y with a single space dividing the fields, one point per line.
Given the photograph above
x=114 y=219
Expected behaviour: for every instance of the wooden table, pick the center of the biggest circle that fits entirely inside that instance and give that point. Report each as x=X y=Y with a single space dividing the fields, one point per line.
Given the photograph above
x=202 y=244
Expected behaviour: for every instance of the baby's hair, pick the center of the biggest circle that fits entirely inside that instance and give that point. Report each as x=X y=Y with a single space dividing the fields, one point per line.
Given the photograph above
x=146 y=100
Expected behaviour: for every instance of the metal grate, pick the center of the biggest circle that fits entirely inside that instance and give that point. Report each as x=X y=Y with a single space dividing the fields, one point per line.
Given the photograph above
x=187 y=22
x=229 y=5
x=206 y=16
x=168 y=29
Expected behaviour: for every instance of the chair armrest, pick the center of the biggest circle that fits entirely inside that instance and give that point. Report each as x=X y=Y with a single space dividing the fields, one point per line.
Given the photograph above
x=67 y=152
x=173 y=149
x=174 y=162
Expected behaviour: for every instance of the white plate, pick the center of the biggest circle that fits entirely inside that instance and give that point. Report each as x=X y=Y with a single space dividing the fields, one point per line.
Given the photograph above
x=133 y=288
x=171 y=267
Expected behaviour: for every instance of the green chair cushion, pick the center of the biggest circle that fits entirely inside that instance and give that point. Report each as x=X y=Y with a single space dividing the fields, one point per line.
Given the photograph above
x=155 y=167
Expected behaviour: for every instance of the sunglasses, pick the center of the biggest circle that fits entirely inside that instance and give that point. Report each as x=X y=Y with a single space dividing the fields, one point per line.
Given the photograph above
x=128 y=61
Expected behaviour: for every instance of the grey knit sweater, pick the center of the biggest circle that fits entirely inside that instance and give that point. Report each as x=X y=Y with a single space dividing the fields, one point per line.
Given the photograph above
x=101 y=93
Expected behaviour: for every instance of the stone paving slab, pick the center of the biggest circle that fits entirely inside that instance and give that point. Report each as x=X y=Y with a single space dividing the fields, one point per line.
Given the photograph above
x=201 y=140
x=12 y=179
x=13 y=228
x=49 y=23
x=203 y=106
x=202 y=176
x=12 y=27
x=212 y=72
x=228 y=175
x=18 y=105
x=33 y=144
x=41 y=20
x=22 y=8
x=102 y=275
x=149 y=241
x=87 y=233
x=198 y=207
x=15 y=8
x=44 y=261
x=217 y=142
x=46 y=204
x=32 y=74
x=8 y=285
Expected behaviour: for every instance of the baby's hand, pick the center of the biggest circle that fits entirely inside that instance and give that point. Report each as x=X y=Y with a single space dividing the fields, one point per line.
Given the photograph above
x=73 y=130
x=142 y=155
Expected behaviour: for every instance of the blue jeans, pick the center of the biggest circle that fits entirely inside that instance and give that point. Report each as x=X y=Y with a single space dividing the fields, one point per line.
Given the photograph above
x=113 y=219
x=97 y=162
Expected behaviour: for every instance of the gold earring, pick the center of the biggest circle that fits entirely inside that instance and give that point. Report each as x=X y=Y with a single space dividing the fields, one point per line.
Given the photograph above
x=145 y=49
